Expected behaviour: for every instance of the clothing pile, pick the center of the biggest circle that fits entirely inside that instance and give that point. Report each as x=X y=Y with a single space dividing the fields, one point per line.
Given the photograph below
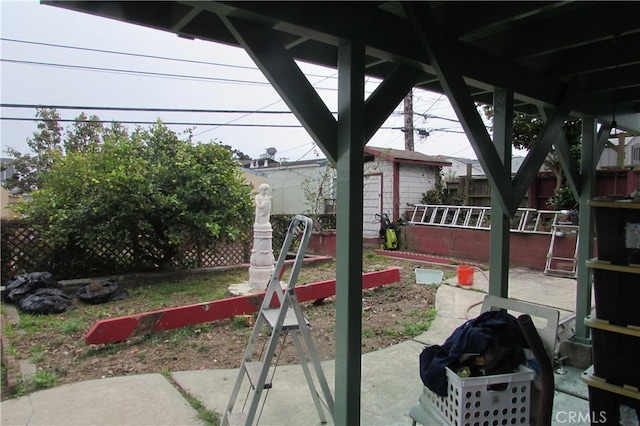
x=489 y=344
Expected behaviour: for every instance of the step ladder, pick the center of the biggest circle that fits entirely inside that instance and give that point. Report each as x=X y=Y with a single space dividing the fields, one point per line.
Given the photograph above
x=554 y=263
x=281 y=313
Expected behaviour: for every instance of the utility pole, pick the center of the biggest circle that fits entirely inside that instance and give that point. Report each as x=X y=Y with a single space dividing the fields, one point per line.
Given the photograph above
x=408 y=122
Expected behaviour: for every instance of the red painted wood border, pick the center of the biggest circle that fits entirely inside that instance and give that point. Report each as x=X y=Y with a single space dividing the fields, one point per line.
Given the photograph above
x=428 y=258
x=118 y=329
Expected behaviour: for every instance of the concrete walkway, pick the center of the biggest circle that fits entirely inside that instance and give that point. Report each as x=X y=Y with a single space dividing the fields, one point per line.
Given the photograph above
x=390 y=380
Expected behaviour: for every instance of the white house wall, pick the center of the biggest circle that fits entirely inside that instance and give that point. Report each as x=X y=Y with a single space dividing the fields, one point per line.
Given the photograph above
x=371 y=204
x=415 y=180
x=385 y=168
x=458 y=169
x=286 y=188
x=634 y=151
x=288 y=196
x=254 y=178
x=609 y=156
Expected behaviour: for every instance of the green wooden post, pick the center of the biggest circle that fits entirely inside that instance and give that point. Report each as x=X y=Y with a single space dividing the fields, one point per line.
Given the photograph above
x=500 y=224
x=349 y=165
x=585 y=230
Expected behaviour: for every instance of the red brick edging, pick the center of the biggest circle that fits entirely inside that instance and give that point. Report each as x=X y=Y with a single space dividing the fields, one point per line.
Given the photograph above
x=430 y=258
x=10 y=361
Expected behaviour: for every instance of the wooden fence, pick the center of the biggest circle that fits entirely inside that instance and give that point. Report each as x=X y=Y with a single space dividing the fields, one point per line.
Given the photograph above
x=477 y=191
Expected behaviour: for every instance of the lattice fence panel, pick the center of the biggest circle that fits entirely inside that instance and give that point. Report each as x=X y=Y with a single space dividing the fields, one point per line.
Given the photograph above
x=225 y=254
x=24 y=251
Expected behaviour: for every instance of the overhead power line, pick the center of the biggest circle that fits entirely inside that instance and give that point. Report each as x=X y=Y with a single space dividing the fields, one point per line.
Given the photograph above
x=135 y=72
x=172 y=123
x=138 y=109
x=168 y=123
x=151 y=74
x=441 y=129
x=137 y=55
x=142 y=55
x=425 y=115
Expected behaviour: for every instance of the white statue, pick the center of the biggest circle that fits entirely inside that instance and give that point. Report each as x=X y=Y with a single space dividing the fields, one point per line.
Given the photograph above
x=261 y=260
x=263 y=204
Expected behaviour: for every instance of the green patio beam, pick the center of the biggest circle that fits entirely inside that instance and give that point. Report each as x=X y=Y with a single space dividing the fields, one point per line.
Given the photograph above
x=551 y=133
x=603 y=138
x=386 y=97
x=279 y=67
x=569 y=165
x=445 y=65
x=349 y=166
x=571 y=168
x=585 y=227
x=591 y=149
x=500 y=235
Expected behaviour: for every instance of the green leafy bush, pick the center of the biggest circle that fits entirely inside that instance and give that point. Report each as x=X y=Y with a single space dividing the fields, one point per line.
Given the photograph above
x=145 y=194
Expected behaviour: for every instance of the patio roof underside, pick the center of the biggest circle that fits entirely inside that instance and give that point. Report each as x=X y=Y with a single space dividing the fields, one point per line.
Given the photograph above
x=557 y=60
x=531 y=48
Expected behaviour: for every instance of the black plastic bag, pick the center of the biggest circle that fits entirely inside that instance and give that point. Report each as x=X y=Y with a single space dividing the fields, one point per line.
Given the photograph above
x=23 y=285
x=46 y=301
x=97 y=292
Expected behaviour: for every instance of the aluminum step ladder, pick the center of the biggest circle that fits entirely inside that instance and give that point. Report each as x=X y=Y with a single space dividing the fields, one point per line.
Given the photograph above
x=553 y=264
x=281 y=313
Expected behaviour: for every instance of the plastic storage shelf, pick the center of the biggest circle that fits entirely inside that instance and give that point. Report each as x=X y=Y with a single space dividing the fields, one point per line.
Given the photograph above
x=614 y=377
x=605 y=399
x=617 y=292
x=615 y=352
x=617 y=230
x=470 y=401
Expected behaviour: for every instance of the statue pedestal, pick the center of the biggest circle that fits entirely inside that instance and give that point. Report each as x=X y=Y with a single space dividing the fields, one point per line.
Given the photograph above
x=261 y=261
x=243 y=289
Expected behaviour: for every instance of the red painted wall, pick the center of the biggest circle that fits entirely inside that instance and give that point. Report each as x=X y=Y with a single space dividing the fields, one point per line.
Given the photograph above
x=527 y=250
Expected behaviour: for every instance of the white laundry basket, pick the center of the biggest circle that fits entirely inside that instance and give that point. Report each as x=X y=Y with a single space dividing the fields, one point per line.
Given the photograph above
x=470 y=402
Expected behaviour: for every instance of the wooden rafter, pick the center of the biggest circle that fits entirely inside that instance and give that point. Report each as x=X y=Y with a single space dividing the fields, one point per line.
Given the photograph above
x=289 y=81
x=448 y=71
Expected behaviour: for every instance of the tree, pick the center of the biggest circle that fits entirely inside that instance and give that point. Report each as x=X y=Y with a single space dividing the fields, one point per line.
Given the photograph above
x=148 y=194
x=237 y=154
x=85 y=134
x=46 y=148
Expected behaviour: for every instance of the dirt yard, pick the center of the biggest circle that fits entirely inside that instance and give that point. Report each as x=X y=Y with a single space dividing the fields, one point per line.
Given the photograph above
x=391 y=314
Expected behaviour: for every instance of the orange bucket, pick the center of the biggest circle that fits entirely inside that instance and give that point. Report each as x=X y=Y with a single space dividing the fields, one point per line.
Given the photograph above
x=465 y=275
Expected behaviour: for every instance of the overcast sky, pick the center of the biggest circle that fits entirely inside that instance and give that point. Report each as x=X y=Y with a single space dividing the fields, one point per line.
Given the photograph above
x=50 y=57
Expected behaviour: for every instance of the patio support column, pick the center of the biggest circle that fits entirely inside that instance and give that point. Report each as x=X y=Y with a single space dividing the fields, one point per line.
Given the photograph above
x=349 y=164
x=500 y=223
x=588 y=162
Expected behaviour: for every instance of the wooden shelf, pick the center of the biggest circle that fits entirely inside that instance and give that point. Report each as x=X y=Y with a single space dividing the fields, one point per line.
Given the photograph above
x=606 y=265
x=598 y=382
x=626 y=203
